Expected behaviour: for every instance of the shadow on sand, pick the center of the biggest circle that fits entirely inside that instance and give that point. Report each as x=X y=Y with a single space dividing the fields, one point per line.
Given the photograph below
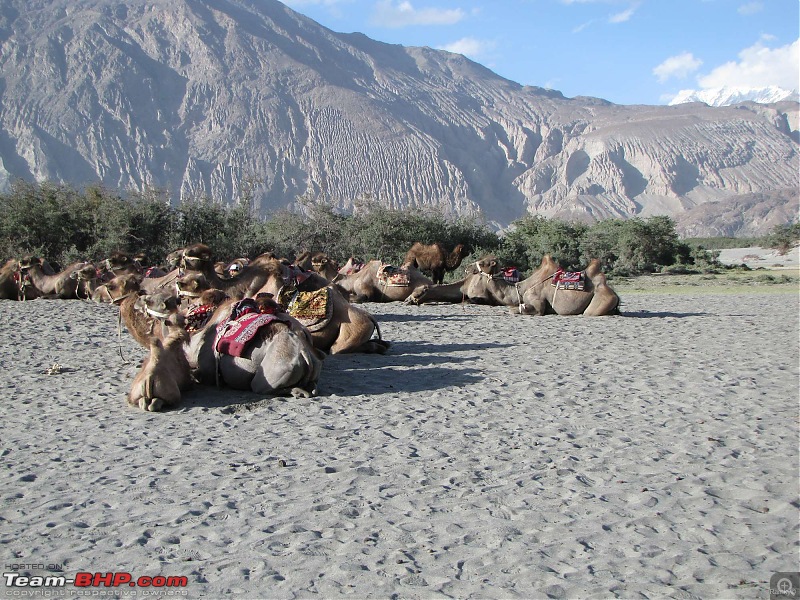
x=646 y=314
x=407 y=367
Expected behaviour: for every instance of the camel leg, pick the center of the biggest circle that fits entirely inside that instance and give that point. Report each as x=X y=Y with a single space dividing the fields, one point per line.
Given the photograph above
x=355 y=334
x=604 y=302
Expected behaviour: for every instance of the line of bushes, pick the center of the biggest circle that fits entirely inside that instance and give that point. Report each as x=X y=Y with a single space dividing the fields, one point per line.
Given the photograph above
x=65 y=224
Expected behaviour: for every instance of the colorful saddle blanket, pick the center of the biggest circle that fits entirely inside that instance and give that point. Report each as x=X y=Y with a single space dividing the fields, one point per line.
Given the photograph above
x=511 y=274
x=241 y=328
x=198 y=316
x=313 y=309
x=569 y=280
x=392 y=276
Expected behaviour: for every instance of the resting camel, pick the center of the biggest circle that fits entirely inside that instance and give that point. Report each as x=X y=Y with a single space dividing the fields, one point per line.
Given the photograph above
x=141 y=312
x=533 y=296
x=373 y=283
x=15 y=285
x=344 y=327
x=319 y=262
x=122 y=263
x=198 y=258
x=435 y=259
x=279 y=360
x=65 y=284
x=164 y=374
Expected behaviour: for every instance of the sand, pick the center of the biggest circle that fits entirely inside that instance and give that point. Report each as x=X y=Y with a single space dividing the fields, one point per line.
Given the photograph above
x=485 y=456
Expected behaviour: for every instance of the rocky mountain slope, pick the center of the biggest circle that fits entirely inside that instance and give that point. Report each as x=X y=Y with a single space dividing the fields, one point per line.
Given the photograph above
x=220 y=98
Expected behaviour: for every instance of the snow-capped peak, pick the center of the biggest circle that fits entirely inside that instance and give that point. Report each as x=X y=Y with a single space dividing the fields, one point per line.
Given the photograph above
x=725 y=96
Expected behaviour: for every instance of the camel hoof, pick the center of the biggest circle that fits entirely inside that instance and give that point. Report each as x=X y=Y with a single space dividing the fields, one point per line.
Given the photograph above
x=154 y=405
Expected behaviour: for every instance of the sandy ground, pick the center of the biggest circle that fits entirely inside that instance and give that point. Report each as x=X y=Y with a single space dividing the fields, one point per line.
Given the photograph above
x=756 y=257
x=486 y=456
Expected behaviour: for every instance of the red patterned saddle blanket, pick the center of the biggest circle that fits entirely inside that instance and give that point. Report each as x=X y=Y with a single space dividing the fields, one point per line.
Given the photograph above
x=569 y=280
x=392 y=276
x=241 y=328
x=197 y=316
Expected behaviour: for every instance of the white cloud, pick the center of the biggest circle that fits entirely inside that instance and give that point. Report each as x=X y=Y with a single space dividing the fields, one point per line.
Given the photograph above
x=750 y=8
x=758 y=66
x=402 y=14
x=469 y=46
x=582 y=26
x=623 y=16
x=678 y=66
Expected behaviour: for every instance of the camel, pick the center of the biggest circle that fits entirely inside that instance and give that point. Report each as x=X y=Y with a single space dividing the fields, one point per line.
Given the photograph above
x=351 y=267
x=435 y=258
x=140 y=312
x=202 y=308
x=198 y=258
x=65 y=284
x=122 y=263
x=15 y=285
x=535 y=295
x=164 y=374
x=279 y=360
x=343 y=329
x=319 y=262
x=377 y=282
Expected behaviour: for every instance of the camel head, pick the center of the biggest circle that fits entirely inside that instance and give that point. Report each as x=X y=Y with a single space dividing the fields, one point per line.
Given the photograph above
x=174 y=258
x=487 y=266
x=192 y=285
x=122 y=286
x=212 y=297
x=160 y=305
x=26 y=262
x=196 y=256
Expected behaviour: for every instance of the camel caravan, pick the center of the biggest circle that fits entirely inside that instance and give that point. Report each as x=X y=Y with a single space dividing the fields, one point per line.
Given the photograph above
x=266 y=324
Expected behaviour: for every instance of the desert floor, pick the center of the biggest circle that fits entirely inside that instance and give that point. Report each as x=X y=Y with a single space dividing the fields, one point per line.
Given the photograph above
x=487 y=455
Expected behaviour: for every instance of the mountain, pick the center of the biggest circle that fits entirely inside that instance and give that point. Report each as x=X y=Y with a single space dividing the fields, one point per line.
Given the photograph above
x=222 y=98
x=727 y=96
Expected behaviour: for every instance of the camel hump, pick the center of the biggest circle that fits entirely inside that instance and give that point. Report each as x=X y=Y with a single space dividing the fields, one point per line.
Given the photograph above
x=549 y=263
x=594 y=268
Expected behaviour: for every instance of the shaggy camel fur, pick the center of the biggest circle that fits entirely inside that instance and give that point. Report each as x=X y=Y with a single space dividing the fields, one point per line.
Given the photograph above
x=281 y=360
x=164 y=374
x=69 y=283
x=435 y=259
x=349 y=329
x=366 y=286
x=532 y=296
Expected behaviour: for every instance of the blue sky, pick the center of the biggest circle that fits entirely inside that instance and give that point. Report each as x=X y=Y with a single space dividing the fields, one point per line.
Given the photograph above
x=626 y=51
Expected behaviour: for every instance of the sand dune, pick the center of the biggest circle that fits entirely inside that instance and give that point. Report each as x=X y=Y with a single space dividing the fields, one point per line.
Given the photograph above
x=486 y=455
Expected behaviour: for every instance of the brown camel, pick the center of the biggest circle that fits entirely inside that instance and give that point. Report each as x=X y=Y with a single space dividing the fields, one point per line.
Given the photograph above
x=535 y=295
x=202 y=308
x=141 y=313
x=69 y=283
x=342 y=328
x=164 y=374
x=379 y=282
x=199 y=259
x=122 y=263
x=15 y=285
x=435 y=259
x=319 y=262
x=351 y=267
x=279 y=360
